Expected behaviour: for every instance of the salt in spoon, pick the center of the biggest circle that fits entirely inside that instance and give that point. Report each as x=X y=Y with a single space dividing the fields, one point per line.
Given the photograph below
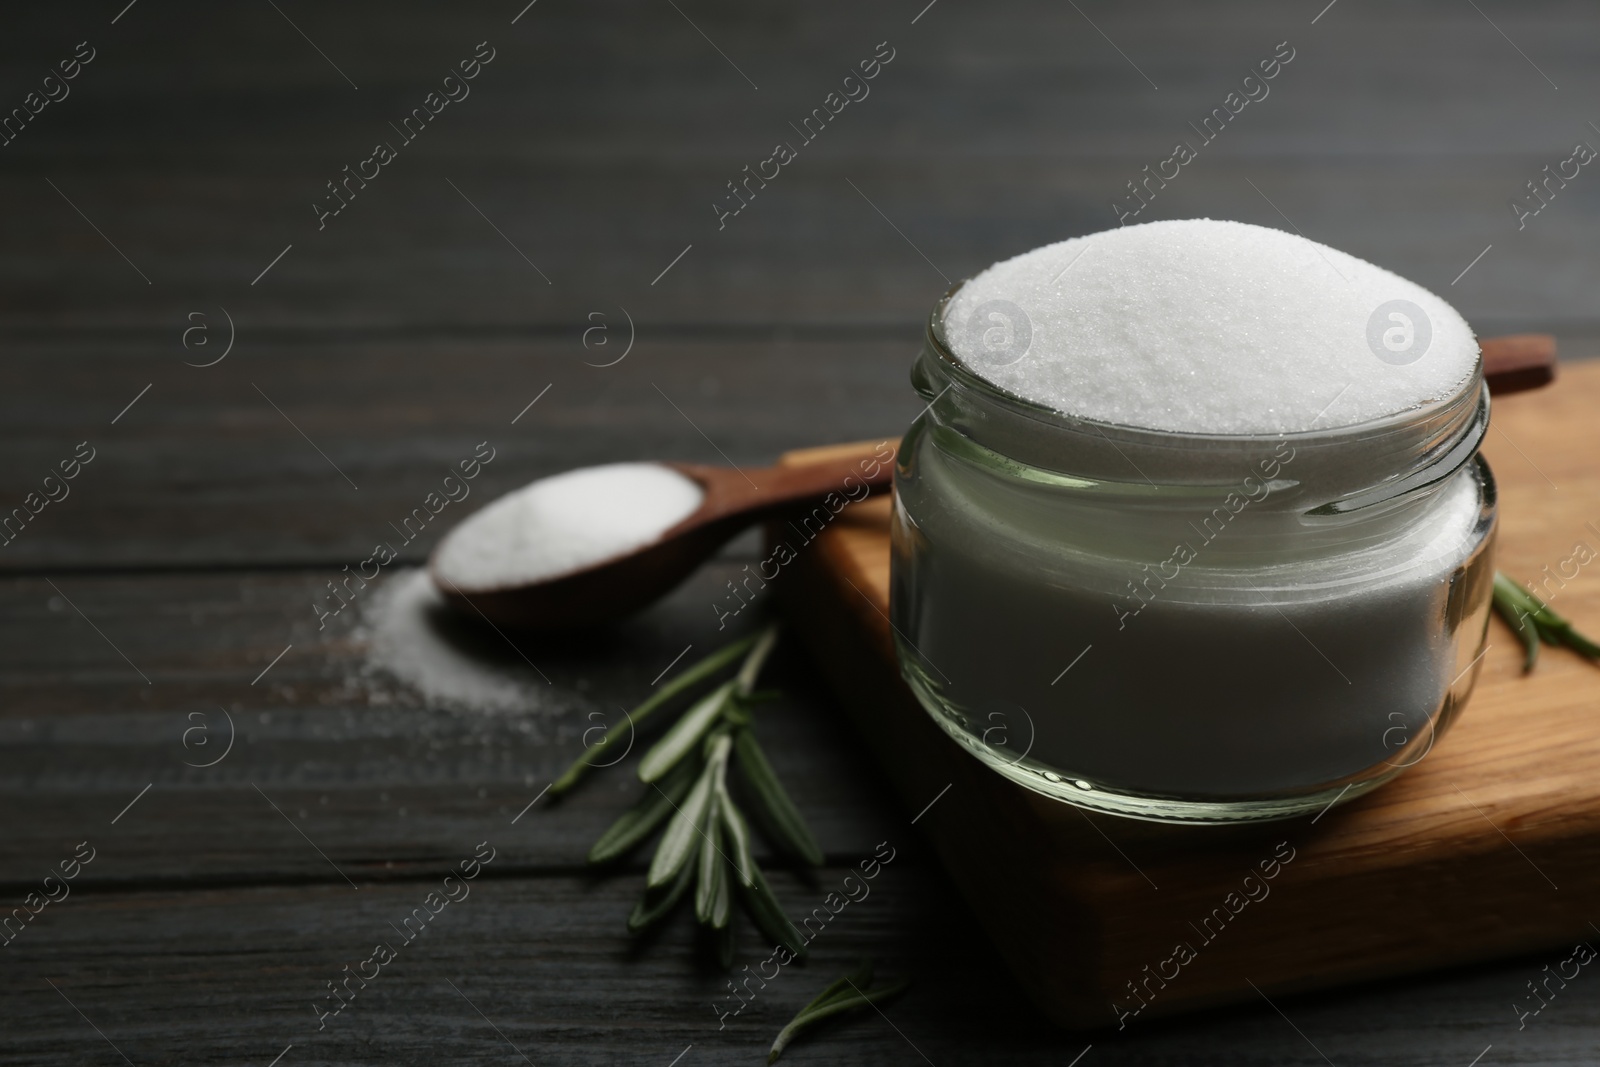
x=614 y=587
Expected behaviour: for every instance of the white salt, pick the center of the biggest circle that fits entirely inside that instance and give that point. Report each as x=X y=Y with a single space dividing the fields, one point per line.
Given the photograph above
x=413 y=636
x=1207 y=326
x=565 y=523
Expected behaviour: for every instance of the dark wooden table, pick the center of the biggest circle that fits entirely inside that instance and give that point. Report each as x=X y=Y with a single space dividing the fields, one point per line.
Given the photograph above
x=175 y=185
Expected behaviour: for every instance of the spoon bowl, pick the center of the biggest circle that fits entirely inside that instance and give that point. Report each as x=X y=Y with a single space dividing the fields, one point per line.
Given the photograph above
x=613 y=588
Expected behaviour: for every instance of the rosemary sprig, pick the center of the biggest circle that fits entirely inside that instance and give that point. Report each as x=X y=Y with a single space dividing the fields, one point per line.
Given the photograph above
x=847 y=994
x=1536 y=624
x=706 y=843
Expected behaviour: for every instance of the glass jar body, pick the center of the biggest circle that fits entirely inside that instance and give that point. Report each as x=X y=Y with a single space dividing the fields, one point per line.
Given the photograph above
x=1182 y=628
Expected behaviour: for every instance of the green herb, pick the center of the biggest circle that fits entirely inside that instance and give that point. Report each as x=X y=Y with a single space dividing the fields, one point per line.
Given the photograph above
x=656 y=904
x=768 y=915
x=706 y=844
x=738 y=835
x=678 y=741
x=777 y=813
x=1535 y=623
x=751 y=668
x=681 y=683
x=847 y=994
x=642 y=820
x=684 y=832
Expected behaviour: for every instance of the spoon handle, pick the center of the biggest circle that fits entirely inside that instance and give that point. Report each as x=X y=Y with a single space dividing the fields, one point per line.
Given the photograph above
x=1518 y=361
x=849 y=472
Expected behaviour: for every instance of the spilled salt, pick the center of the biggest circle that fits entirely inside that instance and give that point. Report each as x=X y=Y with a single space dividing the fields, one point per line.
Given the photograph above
x=1206 y=326
x=414 y=637
x=564 y=523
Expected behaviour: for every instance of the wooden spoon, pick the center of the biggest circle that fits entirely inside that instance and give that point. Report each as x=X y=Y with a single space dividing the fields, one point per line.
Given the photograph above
x=1518 y=362
x=734 y=500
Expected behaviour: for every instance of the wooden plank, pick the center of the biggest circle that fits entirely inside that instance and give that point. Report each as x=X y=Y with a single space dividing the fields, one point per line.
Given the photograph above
x=229 y=975
x=380 y=780
x=1476 y=838
x=210 y=468
x=988 y=134
x=811 y=252
x=233 y=975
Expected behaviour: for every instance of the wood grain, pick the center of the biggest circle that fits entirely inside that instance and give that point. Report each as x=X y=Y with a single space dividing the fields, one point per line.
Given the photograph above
x=1489 y=846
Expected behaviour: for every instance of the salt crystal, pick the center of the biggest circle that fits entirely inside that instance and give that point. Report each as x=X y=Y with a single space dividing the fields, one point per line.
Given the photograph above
x=1205 y=326
x=564 y=523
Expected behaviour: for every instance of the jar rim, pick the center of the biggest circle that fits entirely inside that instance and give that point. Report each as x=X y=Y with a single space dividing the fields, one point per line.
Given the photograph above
x=1456 y=405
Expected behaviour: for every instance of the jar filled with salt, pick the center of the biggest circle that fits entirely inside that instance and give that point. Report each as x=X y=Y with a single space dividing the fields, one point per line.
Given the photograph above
x=1194 y=526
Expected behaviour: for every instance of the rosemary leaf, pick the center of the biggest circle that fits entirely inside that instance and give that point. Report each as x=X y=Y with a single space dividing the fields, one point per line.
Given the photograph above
x=1562 y=632
x=714 y=894
x=769 y=916
x=756 y=659
x=850 y=998
x=656 y=903
x=737 y=834
x=713 y=743
x=722 y=902
x=732 y=829
x=1524 y=611
x=736 y=712
x=1578 y=643
x=1508 y=601
x=778 y=815
x=685 y=733
x=860 y=978
x=641 y=820
x=678 y=844
x=685 y=680
x=713 y=880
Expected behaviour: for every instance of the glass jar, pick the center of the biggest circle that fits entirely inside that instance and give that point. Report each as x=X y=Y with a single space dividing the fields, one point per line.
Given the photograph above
x=1184 y=627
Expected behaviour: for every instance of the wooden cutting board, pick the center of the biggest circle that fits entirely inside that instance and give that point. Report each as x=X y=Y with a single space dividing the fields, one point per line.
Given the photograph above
x=1489 y=846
